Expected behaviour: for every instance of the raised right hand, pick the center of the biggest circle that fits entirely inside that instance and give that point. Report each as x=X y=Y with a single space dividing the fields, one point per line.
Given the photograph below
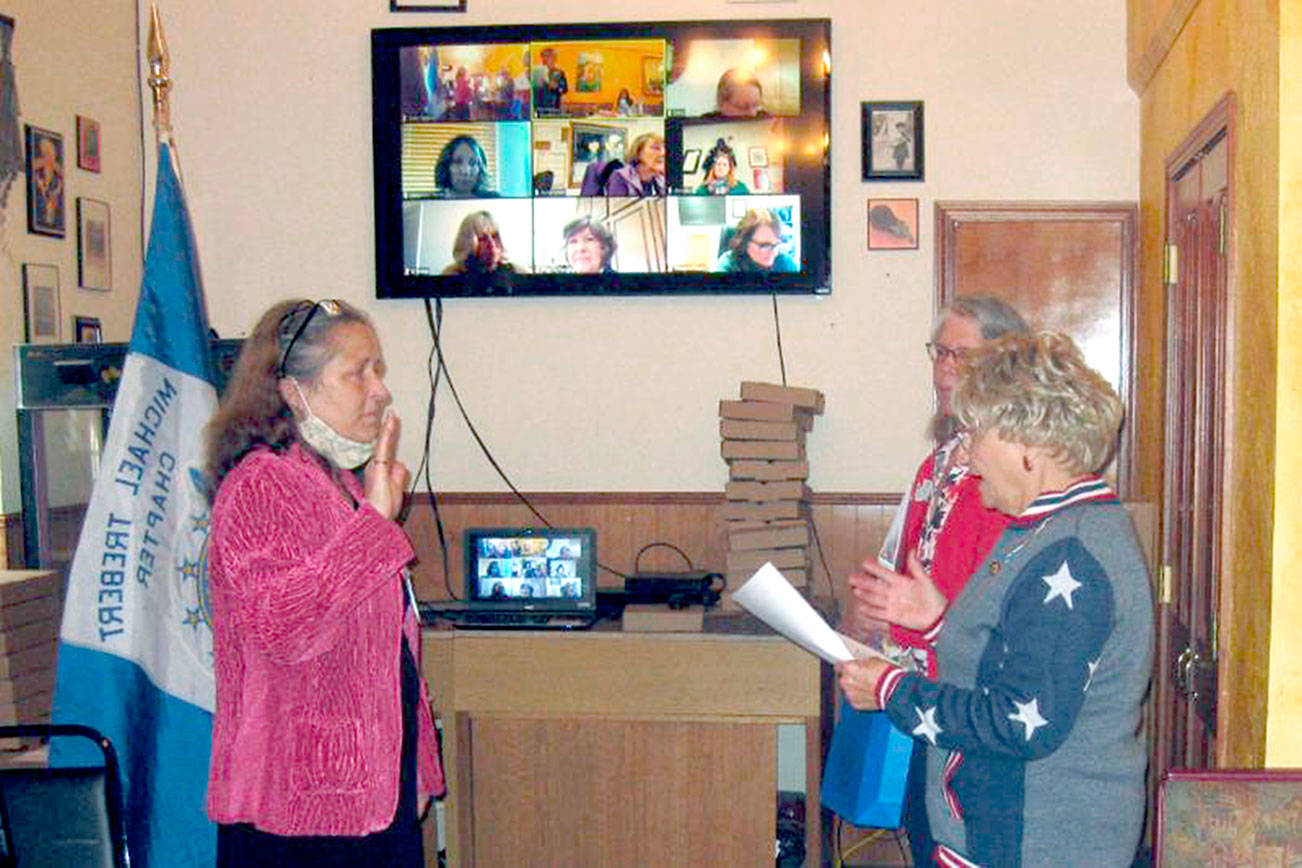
x=385 y=481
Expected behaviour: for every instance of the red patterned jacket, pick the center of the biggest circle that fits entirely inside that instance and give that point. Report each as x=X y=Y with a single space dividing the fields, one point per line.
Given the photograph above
x=307 y=599
x=966 y=537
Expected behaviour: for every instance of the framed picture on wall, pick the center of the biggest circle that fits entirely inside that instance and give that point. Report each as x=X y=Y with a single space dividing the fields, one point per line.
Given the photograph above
x=892 y=141
x=94 y=267
x=41 y=303
x=653 y=76
x=45 y=208
x=87 y=144
x=892 y=224
x=87 y=330
x=427 y=5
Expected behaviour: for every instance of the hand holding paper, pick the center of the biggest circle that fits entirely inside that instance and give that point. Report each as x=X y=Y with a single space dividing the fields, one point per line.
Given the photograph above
x=770 y=597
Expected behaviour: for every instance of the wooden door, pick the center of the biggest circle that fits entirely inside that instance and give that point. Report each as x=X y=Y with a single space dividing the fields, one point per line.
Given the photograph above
x=1067 y=266
x=1198 y=221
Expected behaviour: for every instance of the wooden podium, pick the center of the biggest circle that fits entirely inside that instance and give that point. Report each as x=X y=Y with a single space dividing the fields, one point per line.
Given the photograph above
x=610 y=748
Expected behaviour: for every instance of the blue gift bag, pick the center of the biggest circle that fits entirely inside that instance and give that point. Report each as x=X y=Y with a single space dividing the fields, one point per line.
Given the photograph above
x=867 y=769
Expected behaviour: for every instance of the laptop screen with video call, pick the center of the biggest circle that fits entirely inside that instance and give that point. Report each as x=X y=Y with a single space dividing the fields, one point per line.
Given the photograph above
x=534 y=569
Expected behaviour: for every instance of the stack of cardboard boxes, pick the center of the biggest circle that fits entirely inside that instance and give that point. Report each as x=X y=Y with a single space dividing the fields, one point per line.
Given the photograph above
x=29 y=631
x=767 y=509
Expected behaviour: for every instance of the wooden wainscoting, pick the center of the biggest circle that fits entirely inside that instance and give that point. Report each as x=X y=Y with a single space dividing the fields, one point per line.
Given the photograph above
x=849 y=526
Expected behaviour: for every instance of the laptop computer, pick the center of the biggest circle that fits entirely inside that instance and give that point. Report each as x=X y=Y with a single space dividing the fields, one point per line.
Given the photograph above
x=525 y=578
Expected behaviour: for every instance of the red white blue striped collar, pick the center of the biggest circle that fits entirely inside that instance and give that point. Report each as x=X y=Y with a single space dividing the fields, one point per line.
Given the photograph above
x=1088 y=489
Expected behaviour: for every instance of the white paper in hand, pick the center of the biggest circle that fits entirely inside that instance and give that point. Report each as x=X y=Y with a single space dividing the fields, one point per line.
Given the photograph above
x=770 y=597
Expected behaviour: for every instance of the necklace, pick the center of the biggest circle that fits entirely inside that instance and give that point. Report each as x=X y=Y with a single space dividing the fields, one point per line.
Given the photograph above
x=997 y=563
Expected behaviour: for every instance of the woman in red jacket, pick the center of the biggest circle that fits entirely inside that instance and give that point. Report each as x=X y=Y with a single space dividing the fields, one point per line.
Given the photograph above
x=323 y=744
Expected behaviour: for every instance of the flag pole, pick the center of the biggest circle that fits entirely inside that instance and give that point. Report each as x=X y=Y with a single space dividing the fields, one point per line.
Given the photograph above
x=159 y=80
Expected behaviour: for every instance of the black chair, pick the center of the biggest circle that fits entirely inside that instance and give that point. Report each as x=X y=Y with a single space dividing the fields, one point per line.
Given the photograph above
x=61 y=817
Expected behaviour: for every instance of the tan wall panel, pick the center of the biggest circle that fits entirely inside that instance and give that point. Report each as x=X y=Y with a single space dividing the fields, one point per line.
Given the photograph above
x=1284 y=735
x=1224 y=46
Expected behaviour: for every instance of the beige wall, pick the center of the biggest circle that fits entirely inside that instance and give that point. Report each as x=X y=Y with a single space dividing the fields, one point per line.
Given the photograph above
x=71 y=57
x=1023 y=101
x=272 y=110
x=1227 y=46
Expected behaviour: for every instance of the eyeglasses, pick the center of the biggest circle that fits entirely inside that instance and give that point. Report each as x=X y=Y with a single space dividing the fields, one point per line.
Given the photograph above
x=766 y=245
x=940 y=352
x=329 y=306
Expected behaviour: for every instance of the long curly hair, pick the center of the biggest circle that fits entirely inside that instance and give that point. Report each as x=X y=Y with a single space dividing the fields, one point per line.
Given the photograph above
x=292 y=339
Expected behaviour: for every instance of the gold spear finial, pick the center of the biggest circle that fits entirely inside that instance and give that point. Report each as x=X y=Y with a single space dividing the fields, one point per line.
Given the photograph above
x=159 y=81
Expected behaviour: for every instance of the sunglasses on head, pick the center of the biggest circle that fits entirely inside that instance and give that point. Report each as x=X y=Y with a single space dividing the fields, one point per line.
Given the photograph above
x=329 y=306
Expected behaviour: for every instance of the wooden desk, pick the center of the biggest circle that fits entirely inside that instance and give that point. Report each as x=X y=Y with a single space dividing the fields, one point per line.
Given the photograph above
x=610 y=748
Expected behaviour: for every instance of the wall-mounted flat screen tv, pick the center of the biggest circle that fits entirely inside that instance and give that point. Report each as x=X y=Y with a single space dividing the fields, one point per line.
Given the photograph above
x=603 y=159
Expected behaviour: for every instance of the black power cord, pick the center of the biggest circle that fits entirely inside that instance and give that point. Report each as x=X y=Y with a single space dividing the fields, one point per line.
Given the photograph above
x=434 y=319
x=818 y=543
x=434 y=316
x=777 y=332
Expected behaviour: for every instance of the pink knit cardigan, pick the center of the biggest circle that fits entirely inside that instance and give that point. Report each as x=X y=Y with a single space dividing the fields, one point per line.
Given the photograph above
x=307 y=623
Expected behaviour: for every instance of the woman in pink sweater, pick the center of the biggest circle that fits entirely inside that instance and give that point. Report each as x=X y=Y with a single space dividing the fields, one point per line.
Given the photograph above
x=323 y=744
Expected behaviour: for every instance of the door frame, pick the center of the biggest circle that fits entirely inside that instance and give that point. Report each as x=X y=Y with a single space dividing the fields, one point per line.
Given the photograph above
x=1235 y=710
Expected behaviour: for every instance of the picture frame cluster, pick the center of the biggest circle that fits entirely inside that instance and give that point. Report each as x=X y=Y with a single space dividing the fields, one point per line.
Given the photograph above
x=48 y=188
x=892 y=150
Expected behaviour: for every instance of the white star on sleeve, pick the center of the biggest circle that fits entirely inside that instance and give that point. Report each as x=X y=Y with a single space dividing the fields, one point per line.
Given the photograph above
x=1061 y=584
x=927 y=726
x=1028 y=715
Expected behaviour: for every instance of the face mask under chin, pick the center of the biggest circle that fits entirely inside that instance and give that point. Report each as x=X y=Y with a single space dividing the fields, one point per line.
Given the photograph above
x=342 y=451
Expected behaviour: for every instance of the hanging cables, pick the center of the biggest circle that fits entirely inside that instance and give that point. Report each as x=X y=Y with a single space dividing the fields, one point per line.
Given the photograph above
x=435 y=328
x=438 y=372
x=777 y=331
x=433 y=372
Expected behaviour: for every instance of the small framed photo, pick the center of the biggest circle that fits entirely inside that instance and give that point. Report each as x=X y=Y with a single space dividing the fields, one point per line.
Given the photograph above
x=758 y=156
x=427 y=5
x=892 y=141
x=691 y=160
x=94 y=267
x=87 y=144
x=41 y=303
x=653 y=76
x=87 y=330
x=892 y=224
x=45 y=202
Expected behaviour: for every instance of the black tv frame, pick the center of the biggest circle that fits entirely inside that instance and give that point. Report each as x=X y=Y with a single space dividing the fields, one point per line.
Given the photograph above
x=812 y=173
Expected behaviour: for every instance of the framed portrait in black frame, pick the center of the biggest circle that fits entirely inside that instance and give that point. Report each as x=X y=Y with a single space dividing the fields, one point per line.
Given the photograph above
x=892 y=141
x=87 y=330
x=46 y=211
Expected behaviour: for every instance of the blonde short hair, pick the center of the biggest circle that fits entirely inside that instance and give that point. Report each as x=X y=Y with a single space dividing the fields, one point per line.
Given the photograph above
x=635 y=149
x=1037 y=390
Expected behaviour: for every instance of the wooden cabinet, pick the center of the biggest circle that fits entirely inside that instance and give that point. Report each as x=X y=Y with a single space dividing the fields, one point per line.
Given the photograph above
x=605 y=748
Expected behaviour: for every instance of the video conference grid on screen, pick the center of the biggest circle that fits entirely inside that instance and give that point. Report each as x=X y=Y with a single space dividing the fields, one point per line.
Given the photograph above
x=607 y=156
x=520 y=567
